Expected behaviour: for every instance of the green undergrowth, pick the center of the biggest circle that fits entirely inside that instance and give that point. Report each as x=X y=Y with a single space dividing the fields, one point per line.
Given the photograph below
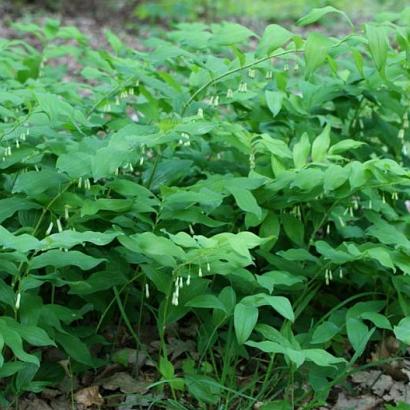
x=235 y=214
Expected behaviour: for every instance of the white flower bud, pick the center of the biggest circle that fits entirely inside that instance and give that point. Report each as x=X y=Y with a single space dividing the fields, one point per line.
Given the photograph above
x=18 y=300
x=146 y=290
x=400 y=135
x=49 y=229
x=59 y=226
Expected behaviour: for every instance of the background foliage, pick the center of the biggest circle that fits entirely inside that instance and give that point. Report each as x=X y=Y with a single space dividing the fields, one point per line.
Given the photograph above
x=249 y=200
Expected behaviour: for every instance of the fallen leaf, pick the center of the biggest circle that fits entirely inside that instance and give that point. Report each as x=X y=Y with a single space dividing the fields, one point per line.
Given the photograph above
x=363 y=402
x=399 y=392
x=34 y=404
x=124 y=382
x=88 y=397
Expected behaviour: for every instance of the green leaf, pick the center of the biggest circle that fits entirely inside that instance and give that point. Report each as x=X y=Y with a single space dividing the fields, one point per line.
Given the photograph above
x=203 y=388
x=377 y=319
x=35 y=183
x=75 y=348
x=325 y=332
x=9 y=206
x=301 y=151
x=345 y=145
x=317 y=13
x=358 y=334
x=274 y=100
x=321 y=357
x=227 y=34
x=68 y=239
x=13 y=340
x=58 y=259
x=386 y=233
x=294 y=228
x=206 y=301
x=273 y=278
x=245 y=318
x=166 y=368
x=316 y=49
x=279 y=303
x=378 y=40
x=402 y=330
x=246 y=201
x=22 y=243
x=334 y=177
x=321 y=145
x=276 y=405
x=274 y=36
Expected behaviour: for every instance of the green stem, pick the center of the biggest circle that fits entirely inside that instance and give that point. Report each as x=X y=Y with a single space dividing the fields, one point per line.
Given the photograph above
x=244 y=67
x=125 y=318
x=233 y=71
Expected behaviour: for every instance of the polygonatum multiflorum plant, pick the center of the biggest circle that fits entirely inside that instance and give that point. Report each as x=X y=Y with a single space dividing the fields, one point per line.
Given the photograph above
x=246 y=192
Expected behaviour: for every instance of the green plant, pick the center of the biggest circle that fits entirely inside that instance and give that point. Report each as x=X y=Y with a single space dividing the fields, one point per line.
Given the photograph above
x=256 y=197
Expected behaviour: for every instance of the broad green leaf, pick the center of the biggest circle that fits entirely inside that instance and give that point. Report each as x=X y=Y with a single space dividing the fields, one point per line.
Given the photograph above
x=402 y=330
x=22 y=243
x=325 y=332
x=68 y=239
x=301 y=151
x=358 y=334
x=166 y=368
x=227 y=34
x=316 y=49
x=9 y=206
x=378 y=40
x=58 y=259
x=321 y=145
x=317 y=13
x=13 y=340
x=270 y=279
x=387 y=233
x=274 y=36
x=34 y=183
x=246 y=201
x=296 y=356
x=321 y=357
x=203 y=388
x=294 y=228
x=377 y=319
x=274 y=100
x=75 y=348
x=345 y=145
x=245 y=318
x=334 y=177
x=206 y=301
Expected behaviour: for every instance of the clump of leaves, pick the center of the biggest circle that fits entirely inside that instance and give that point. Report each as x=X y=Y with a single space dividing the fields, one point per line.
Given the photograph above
x=255 y=196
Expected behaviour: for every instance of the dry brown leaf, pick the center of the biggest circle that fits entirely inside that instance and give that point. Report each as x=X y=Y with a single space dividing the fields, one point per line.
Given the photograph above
x=399 y=392
x=363 y=402
x=89 y=396
x=34 y=404
x=124 y=382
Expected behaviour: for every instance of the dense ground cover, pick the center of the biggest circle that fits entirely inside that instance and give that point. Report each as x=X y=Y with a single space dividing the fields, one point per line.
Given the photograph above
x=228 y=224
